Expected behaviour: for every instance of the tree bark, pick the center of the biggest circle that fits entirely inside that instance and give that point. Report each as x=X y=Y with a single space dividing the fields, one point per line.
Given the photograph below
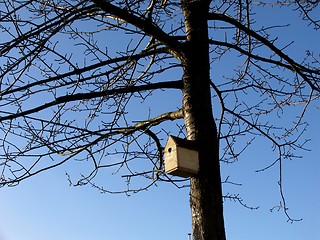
x=205 y=192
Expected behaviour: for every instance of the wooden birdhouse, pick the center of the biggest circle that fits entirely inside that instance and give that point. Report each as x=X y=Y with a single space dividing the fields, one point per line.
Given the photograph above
x=181 y=157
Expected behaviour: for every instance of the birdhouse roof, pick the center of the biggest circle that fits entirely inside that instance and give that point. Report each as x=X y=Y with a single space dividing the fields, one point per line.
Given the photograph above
x=181 y=142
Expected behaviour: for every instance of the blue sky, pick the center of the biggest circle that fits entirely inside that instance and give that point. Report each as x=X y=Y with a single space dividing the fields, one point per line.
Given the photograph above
x=45 y=207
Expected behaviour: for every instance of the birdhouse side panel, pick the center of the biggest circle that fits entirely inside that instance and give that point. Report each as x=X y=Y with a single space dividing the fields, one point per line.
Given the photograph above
x=188 y=159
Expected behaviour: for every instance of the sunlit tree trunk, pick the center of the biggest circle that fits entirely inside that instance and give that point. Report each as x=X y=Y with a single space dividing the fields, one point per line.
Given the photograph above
x=205 y=192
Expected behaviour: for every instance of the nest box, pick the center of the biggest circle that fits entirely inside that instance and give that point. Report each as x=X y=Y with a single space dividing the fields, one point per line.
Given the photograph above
x=181 y=157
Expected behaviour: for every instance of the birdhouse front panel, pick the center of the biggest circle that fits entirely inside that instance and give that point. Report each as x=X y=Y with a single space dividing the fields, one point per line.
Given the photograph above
x=179 y=158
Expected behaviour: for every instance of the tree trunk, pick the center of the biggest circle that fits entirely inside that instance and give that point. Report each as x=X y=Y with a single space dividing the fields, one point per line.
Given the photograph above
x=205 y=191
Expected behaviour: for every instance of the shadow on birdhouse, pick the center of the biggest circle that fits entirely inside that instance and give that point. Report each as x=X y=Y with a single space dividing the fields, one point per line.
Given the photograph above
x=181 y=157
